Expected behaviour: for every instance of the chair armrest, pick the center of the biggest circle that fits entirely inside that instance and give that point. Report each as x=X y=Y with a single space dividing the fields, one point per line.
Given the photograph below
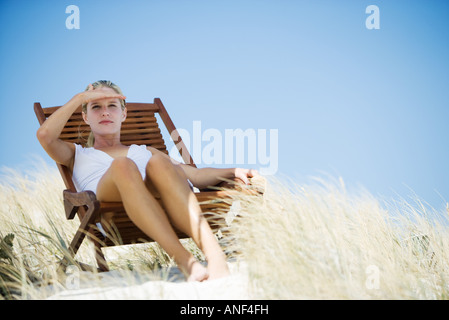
x=257 y=185
x=74 y=200
x=226 y=184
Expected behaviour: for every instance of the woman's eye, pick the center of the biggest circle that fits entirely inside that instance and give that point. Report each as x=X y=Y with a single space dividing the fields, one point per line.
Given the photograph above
x=95 y=107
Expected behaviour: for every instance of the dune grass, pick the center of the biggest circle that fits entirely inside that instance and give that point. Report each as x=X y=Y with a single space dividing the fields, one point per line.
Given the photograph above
x=298 y=241
x=318 y=241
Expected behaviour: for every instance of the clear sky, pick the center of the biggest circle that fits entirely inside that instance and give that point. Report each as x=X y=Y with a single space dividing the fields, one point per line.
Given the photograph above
x=369 y=105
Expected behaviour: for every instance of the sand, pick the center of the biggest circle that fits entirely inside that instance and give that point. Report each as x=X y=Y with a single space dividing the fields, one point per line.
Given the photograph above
x=133 y=285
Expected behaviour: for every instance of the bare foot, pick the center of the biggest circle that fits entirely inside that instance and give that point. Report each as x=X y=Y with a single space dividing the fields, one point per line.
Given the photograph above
x=197 y=272
x=218 y=271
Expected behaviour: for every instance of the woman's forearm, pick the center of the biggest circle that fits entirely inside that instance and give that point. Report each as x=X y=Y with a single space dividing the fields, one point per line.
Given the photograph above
x=206 y=177
x=53 y=126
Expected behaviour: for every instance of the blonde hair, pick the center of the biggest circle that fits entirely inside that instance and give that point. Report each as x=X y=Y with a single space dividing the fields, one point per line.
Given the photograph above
x=98 y=84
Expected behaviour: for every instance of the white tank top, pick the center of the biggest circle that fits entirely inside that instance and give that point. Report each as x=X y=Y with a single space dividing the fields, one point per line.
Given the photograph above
x=91 y=164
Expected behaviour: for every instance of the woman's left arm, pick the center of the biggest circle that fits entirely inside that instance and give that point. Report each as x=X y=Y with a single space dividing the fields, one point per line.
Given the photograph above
x=206 y=177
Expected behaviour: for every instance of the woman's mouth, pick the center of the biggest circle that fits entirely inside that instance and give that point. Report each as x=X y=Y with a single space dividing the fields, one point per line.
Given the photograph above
x=106 y=122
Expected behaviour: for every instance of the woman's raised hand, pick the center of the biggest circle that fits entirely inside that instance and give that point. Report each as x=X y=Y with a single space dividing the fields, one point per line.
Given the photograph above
x=93 y=94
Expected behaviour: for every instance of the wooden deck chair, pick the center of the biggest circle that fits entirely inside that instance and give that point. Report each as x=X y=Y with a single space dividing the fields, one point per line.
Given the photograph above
x=140 y=127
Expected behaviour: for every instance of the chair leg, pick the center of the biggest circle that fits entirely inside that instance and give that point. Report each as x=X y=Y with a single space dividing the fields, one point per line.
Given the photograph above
x=84 y=230
x=99 y=256
x=69 y=258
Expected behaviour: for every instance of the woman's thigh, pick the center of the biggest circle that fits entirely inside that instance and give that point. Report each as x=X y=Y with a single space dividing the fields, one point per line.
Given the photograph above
x=123 y=172
x=107 y=189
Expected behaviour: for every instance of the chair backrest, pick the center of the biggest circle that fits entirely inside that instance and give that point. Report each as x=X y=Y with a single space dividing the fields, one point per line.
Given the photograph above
x=140 y=127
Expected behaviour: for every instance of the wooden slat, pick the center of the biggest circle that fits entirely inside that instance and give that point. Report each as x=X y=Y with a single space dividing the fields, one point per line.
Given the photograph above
x=75 y=122
x=140 y=113
x=141 y=131
x=77 y=119
x=150 y=135
x=160 y=147
x=82 y=128
x=132 y=106
x=148 y=142
x=145 y=133
x=140 y=119
x=68 y=131
x=146 y=125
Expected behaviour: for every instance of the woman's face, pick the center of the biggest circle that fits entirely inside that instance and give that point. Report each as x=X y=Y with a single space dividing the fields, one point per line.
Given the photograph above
x=105 y=116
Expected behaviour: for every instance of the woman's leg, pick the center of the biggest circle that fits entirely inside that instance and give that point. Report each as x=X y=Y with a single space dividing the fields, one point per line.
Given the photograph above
x=123 y=182
x=184 y=211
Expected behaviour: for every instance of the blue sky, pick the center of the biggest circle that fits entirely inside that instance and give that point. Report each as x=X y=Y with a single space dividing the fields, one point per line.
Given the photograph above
x=370 y=106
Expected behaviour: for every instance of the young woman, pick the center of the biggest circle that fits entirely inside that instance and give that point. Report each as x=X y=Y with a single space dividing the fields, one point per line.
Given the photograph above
x=136 y=175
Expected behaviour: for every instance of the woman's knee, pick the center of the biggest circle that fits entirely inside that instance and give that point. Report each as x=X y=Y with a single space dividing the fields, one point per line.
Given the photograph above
x=158 y=163
x=161 y=165
x=123 y=167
